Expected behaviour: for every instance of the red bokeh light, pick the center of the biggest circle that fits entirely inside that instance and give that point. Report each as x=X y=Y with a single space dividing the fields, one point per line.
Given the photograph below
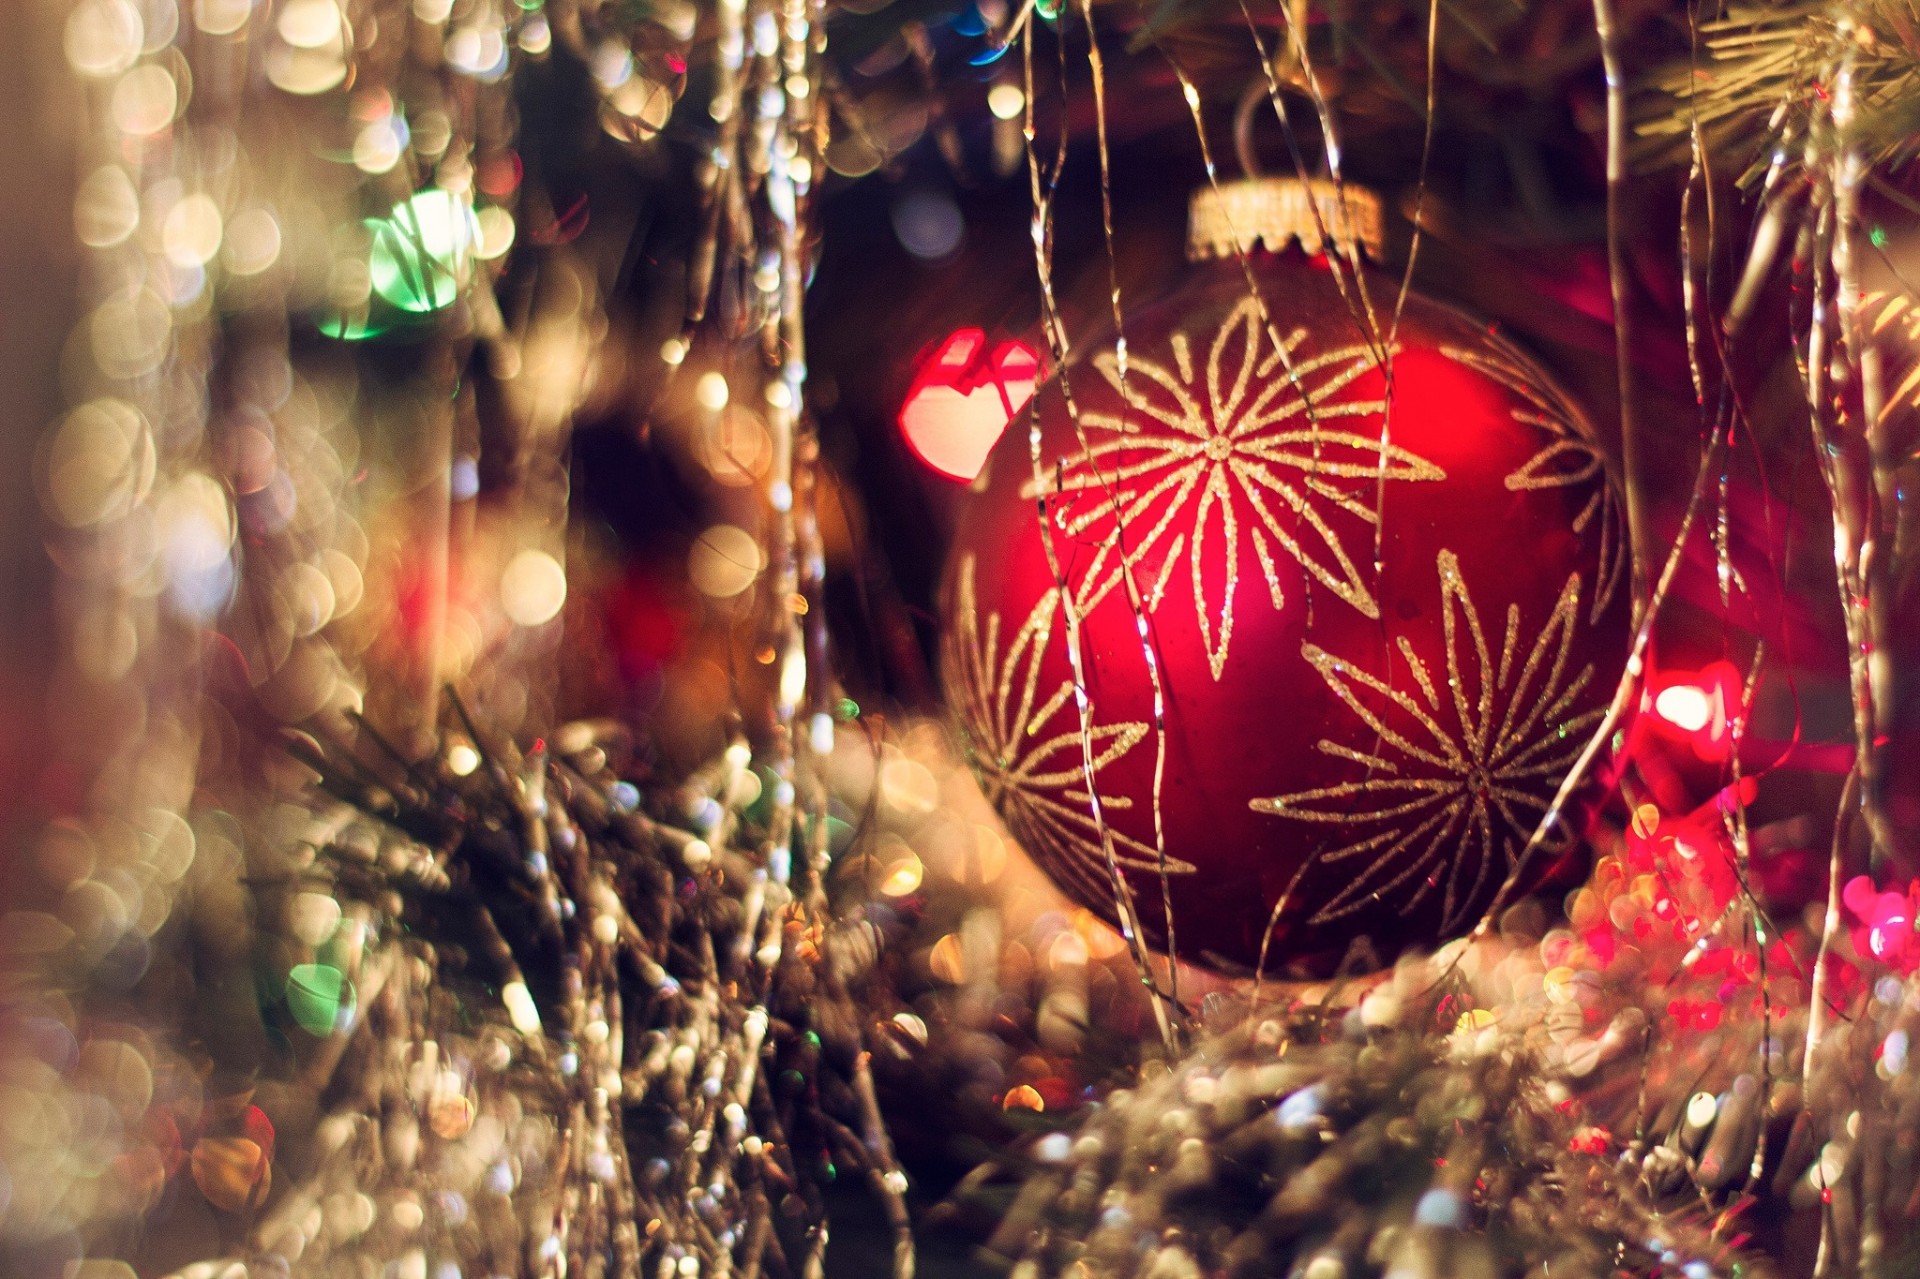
x=963 y=395
x=1700 y=708
x=1883 y=926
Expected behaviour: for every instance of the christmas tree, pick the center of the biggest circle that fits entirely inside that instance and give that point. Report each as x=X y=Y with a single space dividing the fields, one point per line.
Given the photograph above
x=765 y=637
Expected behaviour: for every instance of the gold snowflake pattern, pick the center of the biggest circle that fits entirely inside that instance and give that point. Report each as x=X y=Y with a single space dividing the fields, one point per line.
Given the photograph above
x=1222 y=451
x=1567 y=459
x=1025 y=748
x=1459 y=777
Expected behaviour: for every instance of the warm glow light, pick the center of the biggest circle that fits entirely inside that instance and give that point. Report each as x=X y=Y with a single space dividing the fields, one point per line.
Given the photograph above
x=106 y=209
x=103 y=37
x=521 y=1010
x=145 y=100
x=191 y=233
x=793 y=676
x=1102 y=942
x=309 y=24
x=462 y=759
x=533 y=588
x=1025 y=1097
x=947 y=960
x=313 y=917
x=1701 y=708
x=306 y=72
x=496 y=232
x=903 y=876
x=1684 y=706
x=735 y=446
x=99 y=462
x=221 y=17
x=643 y=106
x=252 y=242
x=379 y=146
x=909 y=787
x=195 y=523
x=1068 y=950
x=725 y=561
x=962 y=399
x=1701 y=1109
x=1006 y=101
x=711 y=391
x=480 y=51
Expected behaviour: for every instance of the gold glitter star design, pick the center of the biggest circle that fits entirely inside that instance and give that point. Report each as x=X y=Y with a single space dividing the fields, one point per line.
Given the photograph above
x=1225 y=448
x=1459 y=776
x=1568 y=458
x=1025 y=748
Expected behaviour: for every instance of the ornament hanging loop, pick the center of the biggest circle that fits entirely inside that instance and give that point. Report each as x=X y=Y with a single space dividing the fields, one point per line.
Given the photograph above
x=1246 y=151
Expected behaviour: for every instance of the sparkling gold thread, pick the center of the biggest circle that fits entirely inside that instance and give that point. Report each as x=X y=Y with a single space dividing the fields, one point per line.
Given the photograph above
x=1164 y=1002
x=1442 y=800
x=1234 y=448
x=1148 y=651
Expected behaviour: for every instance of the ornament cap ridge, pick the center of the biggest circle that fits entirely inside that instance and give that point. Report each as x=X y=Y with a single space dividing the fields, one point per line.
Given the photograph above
x=1233 y=217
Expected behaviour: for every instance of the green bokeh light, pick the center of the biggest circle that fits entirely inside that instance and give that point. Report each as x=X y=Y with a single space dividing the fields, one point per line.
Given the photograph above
x=350 y=327
x=320 y=998
x=421 y=251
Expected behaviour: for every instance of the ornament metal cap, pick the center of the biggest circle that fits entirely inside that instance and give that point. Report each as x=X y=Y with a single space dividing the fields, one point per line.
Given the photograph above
x=1233 y=217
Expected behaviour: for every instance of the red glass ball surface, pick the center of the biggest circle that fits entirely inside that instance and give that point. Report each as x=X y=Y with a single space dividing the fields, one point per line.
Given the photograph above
x=1380 y=636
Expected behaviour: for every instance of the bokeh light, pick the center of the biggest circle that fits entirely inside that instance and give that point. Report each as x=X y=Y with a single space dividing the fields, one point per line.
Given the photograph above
x=725 y=560
x=192 y=231
x=252 y=242
x=964 y=394
x=711 y=391
x=420 y=251
x=533 y=588
x=929 y=224
x=1685 y=706
x=1006 y=101
x=106 y=209
x=103 y=37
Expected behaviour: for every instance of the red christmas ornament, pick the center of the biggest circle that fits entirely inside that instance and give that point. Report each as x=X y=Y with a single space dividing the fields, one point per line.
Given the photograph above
x=1380 y=635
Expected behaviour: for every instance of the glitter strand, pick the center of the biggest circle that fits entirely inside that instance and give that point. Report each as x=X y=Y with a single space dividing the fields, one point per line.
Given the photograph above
x=1640 y=536
x=1149 y=652
x=1041 y=230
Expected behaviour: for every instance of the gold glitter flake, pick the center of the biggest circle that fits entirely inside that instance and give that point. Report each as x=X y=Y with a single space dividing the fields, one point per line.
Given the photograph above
x=1223 y=450
x=1567 y=460
x=1026 y=749
x=1458 y=778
